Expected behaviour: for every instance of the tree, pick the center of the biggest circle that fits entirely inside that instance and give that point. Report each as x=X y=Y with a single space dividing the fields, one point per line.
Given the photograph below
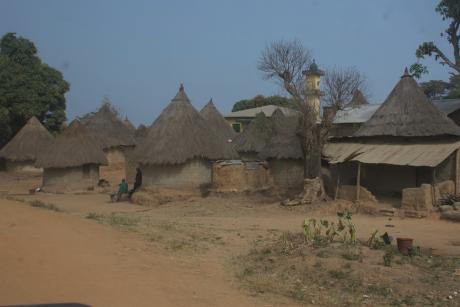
x=260 y=101
x=285 y=63
x=340 y=84
x=449 y=10
x=435 y=89
x=28 y=87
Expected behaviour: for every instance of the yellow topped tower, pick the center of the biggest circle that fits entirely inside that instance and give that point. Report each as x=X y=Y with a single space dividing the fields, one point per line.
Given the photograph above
x=312 y=86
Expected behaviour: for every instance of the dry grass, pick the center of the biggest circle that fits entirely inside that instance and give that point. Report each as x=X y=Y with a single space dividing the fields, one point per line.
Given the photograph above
x=340 y=274
x=42 y=205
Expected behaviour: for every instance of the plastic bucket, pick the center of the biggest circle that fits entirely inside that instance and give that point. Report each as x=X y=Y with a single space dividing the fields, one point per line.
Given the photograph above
x=404 y=245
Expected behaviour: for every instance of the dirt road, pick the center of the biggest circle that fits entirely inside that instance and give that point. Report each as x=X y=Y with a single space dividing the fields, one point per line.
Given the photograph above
x=49 y=257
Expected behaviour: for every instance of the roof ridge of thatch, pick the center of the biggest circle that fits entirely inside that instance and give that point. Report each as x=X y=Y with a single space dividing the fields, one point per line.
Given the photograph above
x=28 y=142
x=107 y=129
x=74 y=147
x=179 y=134
x=256 y=136
x=408 y=112
x=284 y=142
x=216 y=121
x=129 y=124
x=357 y=100
x=181 y=95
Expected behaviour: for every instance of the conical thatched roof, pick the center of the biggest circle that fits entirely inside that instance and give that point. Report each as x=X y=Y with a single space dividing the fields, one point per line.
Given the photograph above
x=140 y=133
x=357 y=100
x=217 y=122
x=129 y=125
x=408 y=112
x=284 y=143
x=256 y=136
x=177 y=135
x=72 y=148
x=107 y=129
x=25 y=145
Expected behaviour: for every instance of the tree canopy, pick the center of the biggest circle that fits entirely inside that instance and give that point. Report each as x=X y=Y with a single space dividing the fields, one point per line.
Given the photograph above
x=438 y=89
x=260 y=101
x=28 y=87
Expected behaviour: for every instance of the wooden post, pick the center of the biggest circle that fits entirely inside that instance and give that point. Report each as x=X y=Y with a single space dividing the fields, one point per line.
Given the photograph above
x=337 y=183
x=433 y=184
x=457 y=175
x=358 y=181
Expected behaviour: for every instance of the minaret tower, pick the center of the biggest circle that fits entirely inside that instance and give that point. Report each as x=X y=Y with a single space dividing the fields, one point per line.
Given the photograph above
x=312 y=86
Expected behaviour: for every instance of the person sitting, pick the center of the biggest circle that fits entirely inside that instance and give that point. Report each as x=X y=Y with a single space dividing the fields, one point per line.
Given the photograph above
x=137 y=182
x=122 y=189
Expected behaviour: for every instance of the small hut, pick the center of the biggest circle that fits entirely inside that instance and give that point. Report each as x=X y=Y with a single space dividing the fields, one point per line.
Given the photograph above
x=407 y=143
x=179 y=148
x=129 y=125
x=284 y=152
x=115 y=139
x=72 y=160
x=21 y=152
x=254 y=138
x=358 y=100
x=217 y=122
x=140 y=133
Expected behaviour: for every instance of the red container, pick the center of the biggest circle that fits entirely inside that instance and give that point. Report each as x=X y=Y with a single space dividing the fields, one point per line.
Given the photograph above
x=404 y=245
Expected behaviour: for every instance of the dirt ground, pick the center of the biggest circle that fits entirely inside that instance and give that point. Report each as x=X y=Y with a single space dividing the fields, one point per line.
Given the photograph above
x=181 y=253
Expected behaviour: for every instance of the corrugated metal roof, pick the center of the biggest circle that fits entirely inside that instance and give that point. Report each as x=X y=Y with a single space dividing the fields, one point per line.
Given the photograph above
x=355 y=115
x=267 y=110
x=421 y=154
x=363 y=113
x=447 y=105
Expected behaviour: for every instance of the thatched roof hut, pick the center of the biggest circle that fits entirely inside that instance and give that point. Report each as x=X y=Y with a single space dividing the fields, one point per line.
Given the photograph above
x=129 y=125
x=107 y=129
x=72 y=148
x=407 y=112
x=357 y=100
x=140 y=133
x=284 y=142
x=27 y=143
x=256 y=136
x=217 y=122
x=177 y=135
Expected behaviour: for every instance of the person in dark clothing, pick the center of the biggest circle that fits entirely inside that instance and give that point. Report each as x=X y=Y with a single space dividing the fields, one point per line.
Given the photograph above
x=137 y=182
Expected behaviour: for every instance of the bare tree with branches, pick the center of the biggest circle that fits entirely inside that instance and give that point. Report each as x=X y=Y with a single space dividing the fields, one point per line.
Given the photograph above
x=340 y=84
x=285 y=62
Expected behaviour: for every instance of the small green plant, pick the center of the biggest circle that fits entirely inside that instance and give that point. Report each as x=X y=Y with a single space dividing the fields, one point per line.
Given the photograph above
x=388 y=257
x=375 y=241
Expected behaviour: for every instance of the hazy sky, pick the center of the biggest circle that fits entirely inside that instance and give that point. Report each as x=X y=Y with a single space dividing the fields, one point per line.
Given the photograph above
x=138 y=52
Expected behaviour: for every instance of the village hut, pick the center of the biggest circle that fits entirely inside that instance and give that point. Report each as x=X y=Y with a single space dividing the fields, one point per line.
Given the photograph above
x=140 y=133
x=129 y=125
x=357 y=100
x=72 y=160
x=407 y=144
x=217 y=122
x=179 y=148
x=254 y=138
x=21 y=152
x=284 y=152
x=115 y=139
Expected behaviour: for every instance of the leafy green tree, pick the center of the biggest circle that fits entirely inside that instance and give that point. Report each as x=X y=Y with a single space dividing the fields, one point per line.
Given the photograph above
x=28 y=87
x=435 y=89
x=449 y=10
x=260 y=101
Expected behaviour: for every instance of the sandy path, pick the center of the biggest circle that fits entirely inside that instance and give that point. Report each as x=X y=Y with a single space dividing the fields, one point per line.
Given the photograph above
x=56 y=257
